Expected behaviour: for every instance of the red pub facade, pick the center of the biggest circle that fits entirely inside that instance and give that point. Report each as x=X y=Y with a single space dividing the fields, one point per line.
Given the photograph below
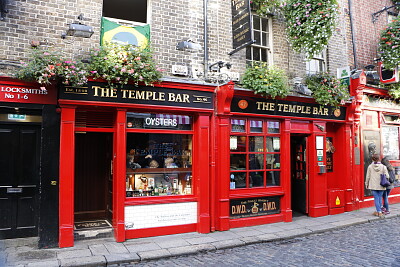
x=181 y=157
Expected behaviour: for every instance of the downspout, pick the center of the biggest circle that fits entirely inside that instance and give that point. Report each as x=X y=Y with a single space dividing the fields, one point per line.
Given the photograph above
x=205 y=14
x=353 y=39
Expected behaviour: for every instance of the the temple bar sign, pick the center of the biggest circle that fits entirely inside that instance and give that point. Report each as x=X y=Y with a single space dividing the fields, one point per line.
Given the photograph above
x=147 y=95
x=241 y=23
x=287 y=108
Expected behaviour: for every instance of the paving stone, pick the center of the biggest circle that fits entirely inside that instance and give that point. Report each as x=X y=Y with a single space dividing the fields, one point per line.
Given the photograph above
x=52 y=263
x=251 y=239
x=172 y=243
x=94 y=261
x=154 y=254
x=191 y=249
x=294 y=232
x=200 y=240
x=139 y=247
x=224 y=235
x=248 y=232
x=122 y=258
x=76 y=253
x=28 y=256
x=98 y=250
x=231 y=243
x=268 y=237
x=116 y=248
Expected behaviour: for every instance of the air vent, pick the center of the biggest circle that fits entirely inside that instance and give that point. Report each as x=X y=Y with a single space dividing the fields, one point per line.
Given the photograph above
x=94 y=119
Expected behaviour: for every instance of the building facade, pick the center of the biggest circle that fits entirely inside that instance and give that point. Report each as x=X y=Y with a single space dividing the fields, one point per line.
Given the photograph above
x=196 y=152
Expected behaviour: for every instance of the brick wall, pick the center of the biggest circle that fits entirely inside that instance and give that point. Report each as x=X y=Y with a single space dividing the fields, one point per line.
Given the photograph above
x=171 y=22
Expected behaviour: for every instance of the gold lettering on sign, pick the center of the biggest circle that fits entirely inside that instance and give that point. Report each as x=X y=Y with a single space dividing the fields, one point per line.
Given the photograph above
x=239 y=209
x=104 y=92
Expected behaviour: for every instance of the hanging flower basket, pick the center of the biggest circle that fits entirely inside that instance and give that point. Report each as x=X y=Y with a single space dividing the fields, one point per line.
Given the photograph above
x=327 y=90
x=265 y=7
x=309 y=24
x=389 y=45
x=266 y=80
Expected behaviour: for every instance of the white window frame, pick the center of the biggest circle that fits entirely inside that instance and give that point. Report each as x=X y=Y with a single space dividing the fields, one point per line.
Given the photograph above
x=318 y=60
x=268 y=47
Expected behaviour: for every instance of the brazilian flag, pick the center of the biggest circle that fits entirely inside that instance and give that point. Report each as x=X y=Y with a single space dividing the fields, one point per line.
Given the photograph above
x=114 y=32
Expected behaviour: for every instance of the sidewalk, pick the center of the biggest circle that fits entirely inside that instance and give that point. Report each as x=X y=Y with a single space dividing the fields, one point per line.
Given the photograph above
x=106 y=252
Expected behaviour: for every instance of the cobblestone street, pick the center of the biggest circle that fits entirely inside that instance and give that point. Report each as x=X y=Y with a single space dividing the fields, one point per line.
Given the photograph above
x=369 y=244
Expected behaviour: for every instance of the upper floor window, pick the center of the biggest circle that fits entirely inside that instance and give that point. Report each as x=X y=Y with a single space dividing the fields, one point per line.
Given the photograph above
x=316 y=64
x=135 y=10
x=260 y=51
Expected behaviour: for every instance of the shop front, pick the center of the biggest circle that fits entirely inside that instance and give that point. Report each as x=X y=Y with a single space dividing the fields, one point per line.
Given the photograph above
x=136 y=157
x=29 y=137
x=286 y=158
x=379 y=126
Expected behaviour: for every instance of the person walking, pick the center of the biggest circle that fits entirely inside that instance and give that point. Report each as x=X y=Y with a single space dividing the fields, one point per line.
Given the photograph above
x=386 y=193
x=373 y=180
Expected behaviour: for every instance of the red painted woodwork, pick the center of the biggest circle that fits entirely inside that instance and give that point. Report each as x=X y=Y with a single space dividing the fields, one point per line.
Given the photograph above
x=286 y=209
x=201 y=171
x=66 y=184
x=119 y=167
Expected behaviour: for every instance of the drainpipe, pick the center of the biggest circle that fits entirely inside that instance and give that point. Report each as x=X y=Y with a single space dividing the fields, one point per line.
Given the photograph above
x=353 y=39
x=205 y=14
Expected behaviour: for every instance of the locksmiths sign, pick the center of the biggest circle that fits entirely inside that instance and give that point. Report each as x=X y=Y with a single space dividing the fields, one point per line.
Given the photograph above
x=242 y=208
x=286 y=108
x=147 y=95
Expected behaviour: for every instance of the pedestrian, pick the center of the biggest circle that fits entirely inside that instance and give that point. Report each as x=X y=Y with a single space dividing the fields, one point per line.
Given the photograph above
x=391 y=178
x=373 y=180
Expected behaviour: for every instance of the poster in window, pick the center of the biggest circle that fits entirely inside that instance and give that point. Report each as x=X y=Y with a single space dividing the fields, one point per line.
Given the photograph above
x=330 y=149
x=390 y=142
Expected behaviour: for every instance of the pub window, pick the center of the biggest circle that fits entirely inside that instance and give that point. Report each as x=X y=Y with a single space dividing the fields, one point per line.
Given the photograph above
x=122 y=10
x=316 y=64
x=159 y=155
x=260 y=51
x=254 y=153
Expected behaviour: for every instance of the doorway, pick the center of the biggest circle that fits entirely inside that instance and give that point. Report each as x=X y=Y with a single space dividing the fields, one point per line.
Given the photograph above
x=93 y=179
x=19 y=179
x=299 y=174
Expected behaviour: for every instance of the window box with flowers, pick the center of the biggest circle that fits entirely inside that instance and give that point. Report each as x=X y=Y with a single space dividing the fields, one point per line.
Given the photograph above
x=266 y=80
x=389 y=45
x=265 y=7
x=327 y=90
x=114 y=63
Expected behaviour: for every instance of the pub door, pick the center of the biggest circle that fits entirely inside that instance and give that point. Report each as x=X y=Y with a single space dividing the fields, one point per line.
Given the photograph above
x=93 y=178
x=19 y=180
x=299 y=174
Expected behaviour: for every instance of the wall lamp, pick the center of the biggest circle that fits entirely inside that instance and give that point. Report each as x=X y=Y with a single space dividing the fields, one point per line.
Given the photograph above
x=78 y=29
x=188 y=45
x=219 y=65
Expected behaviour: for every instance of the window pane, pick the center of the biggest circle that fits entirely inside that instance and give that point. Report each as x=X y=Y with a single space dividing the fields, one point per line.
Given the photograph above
x=273 y=161
x=238 y=125
x=256 y=126
x=256 y=53
x=257 y=37
x=158 y=164
x=264 y=25
x=256 y=161
x=126 y=10
x=238 y=161
x=238 y=180
x=238 y=143
x=248 y=53
x=256 y=179
x=256 y=23
x=273 y=144
x=264 y=55
x=273 y=177
x=273 y=127
x=264 y=39
x=256 y=144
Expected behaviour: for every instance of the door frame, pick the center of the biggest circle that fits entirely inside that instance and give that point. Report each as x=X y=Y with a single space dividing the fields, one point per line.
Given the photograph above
x=307 y=169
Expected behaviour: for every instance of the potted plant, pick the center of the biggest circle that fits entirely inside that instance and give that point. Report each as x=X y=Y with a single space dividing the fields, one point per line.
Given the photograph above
x=266 y=80
x=327 y=90
x=309 y=24
x=120 y=64
x=389 y=45
x=265 y=7
x=45 y=66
